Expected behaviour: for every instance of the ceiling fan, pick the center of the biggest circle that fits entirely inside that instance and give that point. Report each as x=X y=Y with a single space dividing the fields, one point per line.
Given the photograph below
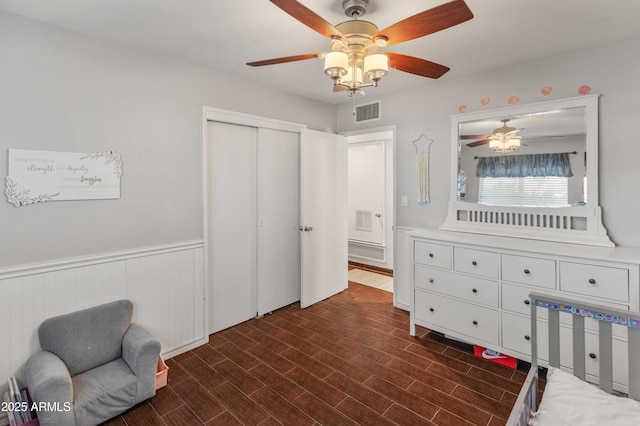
x=355 y=43
x=503 y=139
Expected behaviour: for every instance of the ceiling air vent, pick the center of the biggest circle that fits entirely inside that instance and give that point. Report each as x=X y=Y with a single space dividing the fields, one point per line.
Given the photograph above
x=367 y=112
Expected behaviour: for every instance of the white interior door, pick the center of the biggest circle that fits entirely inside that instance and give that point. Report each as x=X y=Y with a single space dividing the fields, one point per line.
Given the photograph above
x=366 y=205
x=278 y=219
x=323 y=185
x=231 y=159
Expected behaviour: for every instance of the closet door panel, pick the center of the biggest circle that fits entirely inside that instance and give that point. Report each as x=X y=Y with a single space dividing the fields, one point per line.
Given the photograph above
x=232 y=224
x=278 y=219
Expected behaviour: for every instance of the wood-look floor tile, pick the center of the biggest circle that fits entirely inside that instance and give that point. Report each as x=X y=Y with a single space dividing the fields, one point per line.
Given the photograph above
x=224 y=419
x=403 y=397
x=410 y=370
x=208 y=354
x=308 y=363
x=166 y=400
x=176 y=373
x=455 y=405
x=238 y=376
x=356 y=410
x=198 y=399
x=277 y=382
x=240 y=405
x=346 y=360
x=142 y=415
x=360 y=392
x=384 y=372
x=470 y=382
x=281 y=409
x=271 y=358
x=320 y=388
x=322 y=412
x=345 y=367
x=405 y=417
x=481 y=401
x=238 y=355
x=182 y=416
x=202 y=372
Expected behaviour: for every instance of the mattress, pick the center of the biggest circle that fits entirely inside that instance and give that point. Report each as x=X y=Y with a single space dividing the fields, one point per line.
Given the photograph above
x=568 y=400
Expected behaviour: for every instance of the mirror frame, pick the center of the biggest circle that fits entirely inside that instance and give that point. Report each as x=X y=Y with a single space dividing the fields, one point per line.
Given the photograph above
x=575 y=224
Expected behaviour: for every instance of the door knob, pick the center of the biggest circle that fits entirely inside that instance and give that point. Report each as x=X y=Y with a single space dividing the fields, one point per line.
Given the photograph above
x=308 y=229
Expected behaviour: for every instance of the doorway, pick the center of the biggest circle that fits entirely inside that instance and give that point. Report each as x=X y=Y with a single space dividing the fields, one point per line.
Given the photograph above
x=371 y=194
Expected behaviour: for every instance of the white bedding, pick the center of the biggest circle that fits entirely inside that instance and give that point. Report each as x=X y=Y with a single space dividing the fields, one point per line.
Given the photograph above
x=568 y=400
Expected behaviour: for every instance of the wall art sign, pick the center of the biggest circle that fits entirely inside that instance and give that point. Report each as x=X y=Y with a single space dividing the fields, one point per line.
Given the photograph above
x=39 y=176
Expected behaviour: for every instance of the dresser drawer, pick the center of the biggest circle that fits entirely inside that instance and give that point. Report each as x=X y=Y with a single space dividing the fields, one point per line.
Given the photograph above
x=470 y=320
x=461 y=286
x=438 y=255
x=477 y=262
x=529 y=270
x=595 y=281
x=516 y=299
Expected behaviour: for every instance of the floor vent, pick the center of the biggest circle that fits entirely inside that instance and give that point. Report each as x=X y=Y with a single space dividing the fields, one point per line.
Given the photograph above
x=367 y=112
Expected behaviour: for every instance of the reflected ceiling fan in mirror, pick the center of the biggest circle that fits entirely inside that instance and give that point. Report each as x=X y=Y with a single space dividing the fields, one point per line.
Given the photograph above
x=503 y=139
x=355 y=45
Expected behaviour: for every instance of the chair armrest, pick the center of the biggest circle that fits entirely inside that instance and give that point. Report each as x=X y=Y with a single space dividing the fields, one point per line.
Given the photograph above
x=48 y=380
x=140 y=350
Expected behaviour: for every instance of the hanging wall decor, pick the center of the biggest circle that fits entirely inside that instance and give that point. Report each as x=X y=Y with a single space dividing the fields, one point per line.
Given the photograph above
x=39 y=176
x=423 y=152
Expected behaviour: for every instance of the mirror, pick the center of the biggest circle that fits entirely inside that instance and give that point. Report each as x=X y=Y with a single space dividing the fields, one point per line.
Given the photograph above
x=560 y=131
x=528 y=171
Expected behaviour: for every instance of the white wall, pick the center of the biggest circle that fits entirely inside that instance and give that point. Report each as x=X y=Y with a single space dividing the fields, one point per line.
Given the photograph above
x=64 y=91
x=612 y=71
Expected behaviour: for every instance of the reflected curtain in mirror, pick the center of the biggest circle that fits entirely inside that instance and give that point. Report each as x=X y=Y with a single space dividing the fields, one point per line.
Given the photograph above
x=553 y=164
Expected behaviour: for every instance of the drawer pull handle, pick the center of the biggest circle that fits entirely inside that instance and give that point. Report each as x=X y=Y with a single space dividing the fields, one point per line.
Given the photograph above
x=592 y=281
x=527 y=302
x=527 y=272
x=430 y=280
x=527 y=337
x=431 y=309
x=475 y=290
x=592 y=355
x=431 y=255
x=475 y=322
x=474 y=263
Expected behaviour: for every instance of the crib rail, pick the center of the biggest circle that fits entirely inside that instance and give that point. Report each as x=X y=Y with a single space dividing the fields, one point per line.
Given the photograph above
x=526 y=403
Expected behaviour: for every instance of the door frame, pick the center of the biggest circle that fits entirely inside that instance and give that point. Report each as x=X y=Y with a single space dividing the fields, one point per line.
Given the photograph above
x=230 y=117
x=387 y=133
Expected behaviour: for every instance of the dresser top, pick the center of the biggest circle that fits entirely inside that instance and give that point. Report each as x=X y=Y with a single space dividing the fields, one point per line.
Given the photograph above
x=617 y=254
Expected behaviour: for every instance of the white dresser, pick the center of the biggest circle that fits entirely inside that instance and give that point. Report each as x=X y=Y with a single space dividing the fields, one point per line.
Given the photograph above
x=475 y=288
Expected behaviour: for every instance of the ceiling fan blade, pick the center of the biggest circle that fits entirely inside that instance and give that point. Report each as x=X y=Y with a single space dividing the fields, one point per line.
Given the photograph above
x=283 y=60
x=427 y=22
x=415 y=65
x=308 y=17
x=339 y=88
x=473 y=136
x=478 y=143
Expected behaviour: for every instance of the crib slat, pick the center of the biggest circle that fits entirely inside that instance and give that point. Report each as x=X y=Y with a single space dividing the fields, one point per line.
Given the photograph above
x=578 y=347
x=554 y=339
x=606 y=356
x=634 y=363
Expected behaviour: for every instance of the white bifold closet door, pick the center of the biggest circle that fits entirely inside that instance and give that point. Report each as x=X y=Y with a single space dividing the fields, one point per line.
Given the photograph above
x=253 y=208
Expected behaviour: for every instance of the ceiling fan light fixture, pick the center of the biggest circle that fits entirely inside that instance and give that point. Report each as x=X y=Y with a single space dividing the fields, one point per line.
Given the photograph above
x=376 y=66
x=336 y=65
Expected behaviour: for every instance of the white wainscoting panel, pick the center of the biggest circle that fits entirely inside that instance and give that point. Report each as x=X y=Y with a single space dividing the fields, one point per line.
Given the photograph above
x=166 y=285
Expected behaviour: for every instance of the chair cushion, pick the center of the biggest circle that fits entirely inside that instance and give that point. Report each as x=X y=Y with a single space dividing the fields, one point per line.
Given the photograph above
x=88 y=338
x=103 y=392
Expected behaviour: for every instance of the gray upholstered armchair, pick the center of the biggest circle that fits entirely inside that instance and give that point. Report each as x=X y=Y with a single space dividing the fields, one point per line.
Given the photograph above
x=94 y=363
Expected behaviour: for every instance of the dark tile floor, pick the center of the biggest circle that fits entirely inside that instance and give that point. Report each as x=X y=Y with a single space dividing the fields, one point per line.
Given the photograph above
x=346 y=360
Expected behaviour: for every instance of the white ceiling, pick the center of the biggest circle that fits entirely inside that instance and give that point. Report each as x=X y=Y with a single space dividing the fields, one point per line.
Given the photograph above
x=224 y=35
